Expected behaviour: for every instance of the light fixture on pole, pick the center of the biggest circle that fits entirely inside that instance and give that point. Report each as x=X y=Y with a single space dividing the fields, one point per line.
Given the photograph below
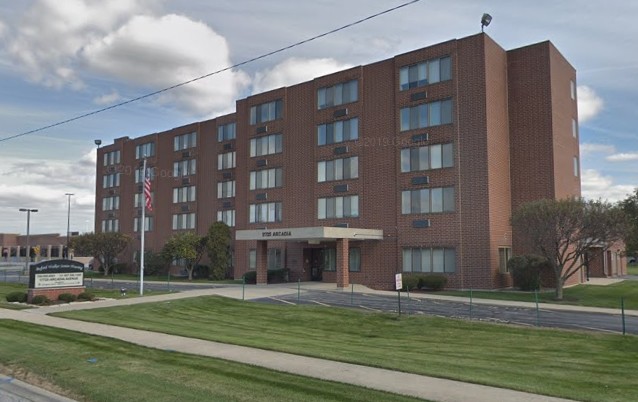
x=68 y=223
x=485 y=21
x=28 y=253
x=98 y=142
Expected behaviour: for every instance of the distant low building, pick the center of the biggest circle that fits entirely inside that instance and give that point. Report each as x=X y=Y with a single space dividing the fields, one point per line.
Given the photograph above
x=46 y=246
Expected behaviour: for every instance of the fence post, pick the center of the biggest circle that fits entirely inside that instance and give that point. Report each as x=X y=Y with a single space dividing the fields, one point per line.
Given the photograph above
x=399 y=294
x=243 y=286
x=351 y=294
x=470 y=304
x=168 y=280
x=622 y=308
x=298 y=290
x=537 y=310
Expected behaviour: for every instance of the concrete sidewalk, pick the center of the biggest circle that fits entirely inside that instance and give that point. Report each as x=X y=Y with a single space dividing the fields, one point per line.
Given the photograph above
x=425 y=387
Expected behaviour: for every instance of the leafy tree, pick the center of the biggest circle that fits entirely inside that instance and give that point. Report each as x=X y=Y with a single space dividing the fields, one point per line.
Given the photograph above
x=105 y=247
x=218 y=246
x=563 y=231
x=185 y=246
x=630 y=206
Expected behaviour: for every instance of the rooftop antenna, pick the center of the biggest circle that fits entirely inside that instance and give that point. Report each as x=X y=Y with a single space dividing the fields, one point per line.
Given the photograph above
x=485 y=21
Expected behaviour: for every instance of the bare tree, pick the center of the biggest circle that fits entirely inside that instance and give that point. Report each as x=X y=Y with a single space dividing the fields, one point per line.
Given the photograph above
x=563 y=231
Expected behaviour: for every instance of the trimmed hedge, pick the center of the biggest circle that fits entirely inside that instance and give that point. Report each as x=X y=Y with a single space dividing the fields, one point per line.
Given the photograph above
x=411 y=282
x=527 y=270
x=274 y=276
x=432 y=282
x=250 y=277
x=67 y=297
x=86 y=296
x=40 y=300
x=17 y=297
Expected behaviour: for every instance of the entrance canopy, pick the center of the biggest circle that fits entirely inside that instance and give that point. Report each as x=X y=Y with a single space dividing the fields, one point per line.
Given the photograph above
x=319 y=233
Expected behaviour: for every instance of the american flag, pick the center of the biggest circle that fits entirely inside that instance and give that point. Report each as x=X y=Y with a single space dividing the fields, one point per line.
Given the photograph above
x=147 y=189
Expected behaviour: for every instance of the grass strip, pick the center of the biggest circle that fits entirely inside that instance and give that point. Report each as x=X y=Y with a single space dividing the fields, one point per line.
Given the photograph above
x=583 y=366
x=99 y=369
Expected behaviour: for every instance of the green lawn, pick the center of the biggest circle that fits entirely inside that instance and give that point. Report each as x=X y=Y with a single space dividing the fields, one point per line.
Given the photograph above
x=583 y=366
x=5 y=289
x=155 y=278
x=97 y=369
x=582 y=295
x=632 y=269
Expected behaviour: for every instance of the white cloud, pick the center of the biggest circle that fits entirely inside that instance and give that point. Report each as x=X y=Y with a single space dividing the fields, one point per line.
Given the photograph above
x=623 y=157
x=42 y=185
x=587 y=149
x=293 y=71
x=589 y=103
x=107 y=99
x=594 y=186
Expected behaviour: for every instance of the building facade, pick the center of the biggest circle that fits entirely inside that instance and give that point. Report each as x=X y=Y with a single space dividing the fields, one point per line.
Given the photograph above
x=410 y=164
x=13 y=247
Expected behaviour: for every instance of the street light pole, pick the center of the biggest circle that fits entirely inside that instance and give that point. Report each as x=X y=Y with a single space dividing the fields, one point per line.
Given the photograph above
x=68 y=224
x=28 y=253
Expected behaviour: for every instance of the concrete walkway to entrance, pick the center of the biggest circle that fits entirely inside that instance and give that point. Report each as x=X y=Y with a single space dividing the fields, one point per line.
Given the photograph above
x=425 y=387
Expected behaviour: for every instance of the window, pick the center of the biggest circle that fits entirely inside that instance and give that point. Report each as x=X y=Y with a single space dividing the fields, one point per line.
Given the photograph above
x=574 y=128
x=252 y=259
x=338 y=207
x=184 y=194
x=148 y=224
x=572 y=89
x=183 y=221
x=442 y=260
x=275 y=259
x=428 y=157
x=576 y=167
x=268 y=178
x=226 y=132
x=226 y=161
x=504 y=255
x=426 y=115
x=227 y=216
x=111 y=180
x=354 y=260
x=427 y=72
x=330 y=259
x=139 y=175
x=111 y=158
x=145 y=150
x=339 y=131
x=338 y=169
x=184 y=168
x=184 y=141
x=111 y=203
x=226 y=189
x=338 y=94
x=266 y=212
x=267 y=145
x=110 y=225
x=139 y=200
x=266 y=112
x=427 y=200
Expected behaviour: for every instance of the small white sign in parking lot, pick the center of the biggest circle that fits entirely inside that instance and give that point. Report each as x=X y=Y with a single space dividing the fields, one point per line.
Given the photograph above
x=398 y=281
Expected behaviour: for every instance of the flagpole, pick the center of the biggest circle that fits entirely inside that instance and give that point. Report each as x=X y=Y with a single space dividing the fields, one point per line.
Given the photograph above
x=143 y=227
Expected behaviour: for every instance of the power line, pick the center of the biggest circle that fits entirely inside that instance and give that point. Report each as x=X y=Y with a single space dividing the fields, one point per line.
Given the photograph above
x=280 y=50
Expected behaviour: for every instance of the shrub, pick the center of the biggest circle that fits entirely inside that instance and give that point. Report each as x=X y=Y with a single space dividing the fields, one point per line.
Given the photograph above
x=432 y=282
x=67 y=297
x=217 y=273
x=527 y=270
x=40 y=300
x=250 y=277
x=201 y=271
x=86 y=296
x=410 y=282
x=120 y=268
x=278 y=275
x=19 y=297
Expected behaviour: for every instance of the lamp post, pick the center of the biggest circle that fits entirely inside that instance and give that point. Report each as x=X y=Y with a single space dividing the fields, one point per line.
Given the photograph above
x=28 y=253
x=68 y=223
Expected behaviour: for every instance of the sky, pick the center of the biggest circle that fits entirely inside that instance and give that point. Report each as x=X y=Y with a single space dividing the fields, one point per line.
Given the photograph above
x=61 y=59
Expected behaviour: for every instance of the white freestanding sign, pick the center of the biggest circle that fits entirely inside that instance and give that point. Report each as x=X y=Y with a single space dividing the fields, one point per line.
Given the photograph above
x=398 y=281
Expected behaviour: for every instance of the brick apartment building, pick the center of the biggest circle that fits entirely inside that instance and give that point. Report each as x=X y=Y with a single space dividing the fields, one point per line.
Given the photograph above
x=410 y=164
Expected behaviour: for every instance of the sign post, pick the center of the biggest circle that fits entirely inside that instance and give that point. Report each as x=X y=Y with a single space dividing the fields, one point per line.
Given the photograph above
x=398 y=284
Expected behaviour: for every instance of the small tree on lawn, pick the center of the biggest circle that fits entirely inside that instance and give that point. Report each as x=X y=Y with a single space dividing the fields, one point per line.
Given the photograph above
x=564 y=230
x=185 y=246
x=218 y=247
x=105 y=247
x=630 y=206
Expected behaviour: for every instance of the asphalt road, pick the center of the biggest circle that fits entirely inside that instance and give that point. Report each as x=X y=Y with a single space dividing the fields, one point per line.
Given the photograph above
x=12 y=390
x=490 y=313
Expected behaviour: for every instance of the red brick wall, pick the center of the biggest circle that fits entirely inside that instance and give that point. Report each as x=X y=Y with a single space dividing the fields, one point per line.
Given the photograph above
x=52 y=294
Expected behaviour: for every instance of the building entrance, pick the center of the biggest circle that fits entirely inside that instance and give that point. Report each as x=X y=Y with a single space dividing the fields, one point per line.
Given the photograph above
x=315 y=258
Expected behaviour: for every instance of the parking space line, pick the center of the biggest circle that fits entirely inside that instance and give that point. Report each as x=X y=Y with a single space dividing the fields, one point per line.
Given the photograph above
x=320 y=303
x=371 y=309
x=282 y=301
